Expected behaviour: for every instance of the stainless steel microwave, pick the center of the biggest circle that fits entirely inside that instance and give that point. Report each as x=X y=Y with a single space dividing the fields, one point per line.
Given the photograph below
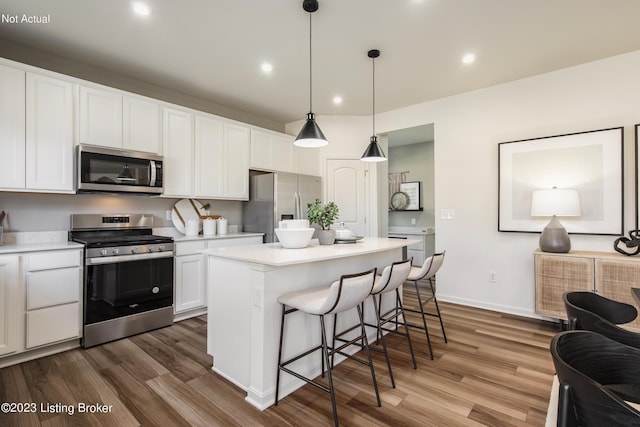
x=110 y=170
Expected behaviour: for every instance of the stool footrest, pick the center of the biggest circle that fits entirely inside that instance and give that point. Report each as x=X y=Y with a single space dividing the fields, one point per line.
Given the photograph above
x=305 y=379
x=300 y=356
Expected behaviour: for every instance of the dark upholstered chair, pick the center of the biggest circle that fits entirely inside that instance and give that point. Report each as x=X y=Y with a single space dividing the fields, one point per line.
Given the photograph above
x=598 y=377
x=592 y=312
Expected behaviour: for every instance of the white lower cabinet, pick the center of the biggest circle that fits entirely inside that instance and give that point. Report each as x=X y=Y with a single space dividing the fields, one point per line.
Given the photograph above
x=40 y=302
x=190 y=289
x=53 y=324
x=418 y=251
x=190 y=273
x=9 y=303
x=53 y=291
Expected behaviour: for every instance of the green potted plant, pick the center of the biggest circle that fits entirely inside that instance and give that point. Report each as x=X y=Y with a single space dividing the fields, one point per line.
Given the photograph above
x=324 y=216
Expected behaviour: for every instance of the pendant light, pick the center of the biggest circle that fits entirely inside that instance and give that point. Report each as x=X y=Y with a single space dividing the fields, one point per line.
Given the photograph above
x=373 y=153
x=310 y=135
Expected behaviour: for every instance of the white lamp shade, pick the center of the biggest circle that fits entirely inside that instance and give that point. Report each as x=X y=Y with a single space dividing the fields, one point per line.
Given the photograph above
x=555 y=202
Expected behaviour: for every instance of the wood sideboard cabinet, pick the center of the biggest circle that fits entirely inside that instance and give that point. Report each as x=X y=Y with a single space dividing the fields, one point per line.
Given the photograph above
x=609 y=274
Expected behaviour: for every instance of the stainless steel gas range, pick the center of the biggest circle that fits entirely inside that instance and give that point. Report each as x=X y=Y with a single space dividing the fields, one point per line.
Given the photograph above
x=128 y=276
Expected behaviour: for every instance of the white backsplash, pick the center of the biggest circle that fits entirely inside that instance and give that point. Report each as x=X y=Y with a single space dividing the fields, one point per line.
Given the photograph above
x=35 y=237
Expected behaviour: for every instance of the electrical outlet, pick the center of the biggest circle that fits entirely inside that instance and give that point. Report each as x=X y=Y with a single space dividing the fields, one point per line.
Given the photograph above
x=413 y=221
x=492 y=277
x=167 y=215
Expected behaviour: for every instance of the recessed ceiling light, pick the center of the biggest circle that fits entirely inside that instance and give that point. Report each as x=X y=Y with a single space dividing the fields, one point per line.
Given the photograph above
x=337 y=100
x=140 y=8
x=266 y=67
x=468 y=58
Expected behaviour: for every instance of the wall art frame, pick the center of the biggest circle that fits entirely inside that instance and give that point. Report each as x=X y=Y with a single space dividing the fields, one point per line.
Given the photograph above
x=590 y=161
x=413 y=190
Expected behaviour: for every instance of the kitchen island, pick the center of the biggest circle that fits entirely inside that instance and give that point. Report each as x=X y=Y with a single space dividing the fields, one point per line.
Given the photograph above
x=244 y=284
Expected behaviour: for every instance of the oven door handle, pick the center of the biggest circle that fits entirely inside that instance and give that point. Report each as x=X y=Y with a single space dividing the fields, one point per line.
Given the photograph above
x=127 y=258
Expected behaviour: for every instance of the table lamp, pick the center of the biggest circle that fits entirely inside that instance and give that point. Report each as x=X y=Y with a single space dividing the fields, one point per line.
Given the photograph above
x=555 y=203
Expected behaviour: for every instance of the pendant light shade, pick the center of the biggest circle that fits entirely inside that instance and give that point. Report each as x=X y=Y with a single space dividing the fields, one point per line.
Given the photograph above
x=310 y=135
x=374 y=152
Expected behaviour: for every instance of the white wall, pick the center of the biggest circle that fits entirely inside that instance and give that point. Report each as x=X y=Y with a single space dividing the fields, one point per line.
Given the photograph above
x=468 y=129
x=417 y=159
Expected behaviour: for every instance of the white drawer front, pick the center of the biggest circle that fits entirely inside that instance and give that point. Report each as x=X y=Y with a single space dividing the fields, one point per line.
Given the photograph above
x=190 y=248
x=48 y=325
x=236 y=241
x=53 y=287
x=417 y=246
x=54 y=259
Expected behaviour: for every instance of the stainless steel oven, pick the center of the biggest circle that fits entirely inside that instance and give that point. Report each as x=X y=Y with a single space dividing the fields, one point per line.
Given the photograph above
x=128 y=286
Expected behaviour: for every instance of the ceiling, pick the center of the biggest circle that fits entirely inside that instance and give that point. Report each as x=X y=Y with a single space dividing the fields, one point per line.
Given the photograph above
x=213 y=49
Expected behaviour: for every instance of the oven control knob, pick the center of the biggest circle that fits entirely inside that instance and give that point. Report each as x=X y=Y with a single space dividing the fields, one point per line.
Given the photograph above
x=161 y=248
x=115 y=251
x=103 y=252
x=134 y=250
x=151 y=249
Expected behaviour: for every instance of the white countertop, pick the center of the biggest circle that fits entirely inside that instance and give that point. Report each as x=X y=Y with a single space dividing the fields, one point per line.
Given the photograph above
x=34 y=247
x=274 y=254
x=179 y=237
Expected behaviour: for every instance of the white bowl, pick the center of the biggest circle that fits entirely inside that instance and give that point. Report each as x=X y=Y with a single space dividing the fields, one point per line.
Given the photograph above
x=294 y=238
x=294 y=223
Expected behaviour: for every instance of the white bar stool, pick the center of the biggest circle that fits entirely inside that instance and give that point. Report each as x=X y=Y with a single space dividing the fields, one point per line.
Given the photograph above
x=428 y=270
x=344 y=294
x=392 y=278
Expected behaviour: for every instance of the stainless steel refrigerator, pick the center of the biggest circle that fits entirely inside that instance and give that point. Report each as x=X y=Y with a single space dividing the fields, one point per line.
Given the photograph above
x=274 y=196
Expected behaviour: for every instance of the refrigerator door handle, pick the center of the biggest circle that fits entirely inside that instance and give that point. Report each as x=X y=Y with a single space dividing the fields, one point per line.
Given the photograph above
x=296 y=204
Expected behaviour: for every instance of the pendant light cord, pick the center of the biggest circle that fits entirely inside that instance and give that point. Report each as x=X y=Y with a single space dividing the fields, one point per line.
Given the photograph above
x=373 y=85
x=310 y=69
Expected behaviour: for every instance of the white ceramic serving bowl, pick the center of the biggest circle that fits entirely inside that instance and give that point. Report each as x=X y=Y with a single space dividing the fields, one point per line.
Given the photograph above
x=294 y=223
x=294 y=238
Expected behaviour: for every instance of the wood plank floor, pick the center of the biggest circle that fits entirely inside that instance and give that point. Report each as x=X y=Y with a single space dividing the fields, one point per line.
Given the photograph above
x=495 y=371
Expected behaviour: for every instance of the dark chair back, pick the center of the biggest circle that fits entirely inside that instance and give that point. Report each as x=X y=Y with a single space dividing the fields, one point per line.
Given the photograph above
x=592 y=312
x=589 y=366
x=615 y=312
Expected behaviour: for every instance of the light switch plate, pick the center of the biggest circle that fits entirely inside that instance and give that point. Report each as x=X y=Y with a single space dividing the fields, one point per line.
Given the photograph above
x=447 y=214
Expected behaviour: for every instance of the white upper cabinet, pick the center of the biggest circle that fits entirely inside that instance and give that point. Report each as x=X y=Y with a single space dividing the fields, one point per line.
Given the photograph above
x=49 y=134
x=110 y=118
x=209 y=167
x=177 y=147
x=12 y=128
x=236 y=147
x=272 y=151
x=141 y=124
x=275 y=151
x=100 y=117
x=205 y=156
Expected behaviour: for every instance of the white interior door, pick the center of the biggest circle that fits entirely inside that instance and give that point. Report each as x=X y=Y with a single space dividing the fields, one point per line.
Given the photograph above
x=346 y=185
